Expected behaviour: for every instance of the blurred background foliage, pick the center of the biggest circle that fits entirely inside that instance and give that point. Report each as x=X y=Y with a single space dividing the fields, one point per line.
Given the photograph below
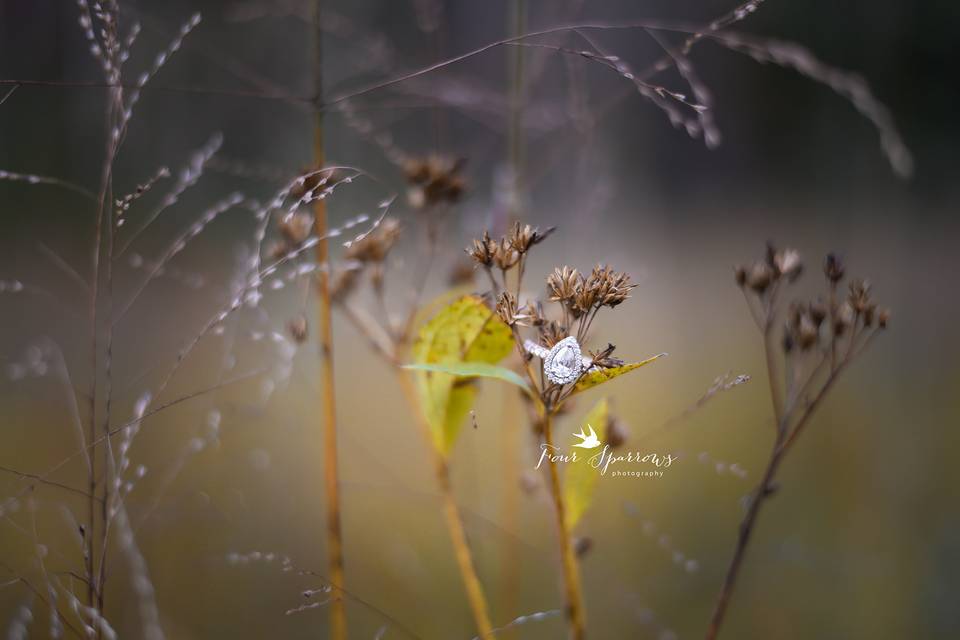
x=862 y=540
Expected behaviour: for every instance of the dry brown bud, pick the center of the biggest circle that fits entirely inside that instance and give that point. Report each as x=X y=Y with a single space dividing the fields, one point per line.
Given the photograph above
x=562 y=284
x=604 y=287
x=604 y=358
x=818 y=311
x=883 y=318
x=483 y=250
x=740 y=275
x=434 y=181
x=505 y=257
x=507 y=308
x=843 y=319
x=523 y=237
x=582 y=545
x=807 y=333
x=787 y=263
x=374 y=246
x=617 y=432
x=295 y=228
x=859 y=296
x=759 y=277
x=551 y=332
x=833 y=268
x=298 y=329
x=788 y=341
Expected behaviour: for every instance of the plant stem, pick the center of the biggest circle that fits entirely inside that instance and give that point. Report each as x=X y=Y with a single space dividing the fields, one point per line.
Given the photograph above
x=468 y=571
x=786 y=437
x=761 y=493
x=576 y=616
x=338 y=616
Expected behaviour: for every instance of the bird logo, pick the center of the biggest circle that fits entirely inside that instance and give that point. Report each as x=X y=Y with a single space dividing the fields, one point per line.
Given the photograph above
x=590 y=441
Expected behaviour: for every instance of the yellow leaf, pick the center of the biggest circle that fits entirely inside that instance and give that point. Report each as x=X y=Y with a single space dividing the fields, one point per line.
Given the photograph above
x=464 y=331
x=600 y=376
x=581 y=478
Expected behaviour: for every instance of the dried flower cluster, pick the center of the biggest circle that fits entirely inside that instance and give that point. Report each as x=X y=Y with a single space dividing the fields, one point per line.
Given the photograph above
x=374 y=247
x=579 y=297
x=779 y=265
x=825 y=320
x=434 y=180
x=821 y=338
x=509 y=251
x=582 y=296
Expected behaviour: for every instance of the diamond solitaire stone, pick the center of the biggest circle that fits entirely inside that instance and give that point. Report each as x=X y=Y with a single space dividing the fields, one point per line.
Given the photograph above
x=564 y=362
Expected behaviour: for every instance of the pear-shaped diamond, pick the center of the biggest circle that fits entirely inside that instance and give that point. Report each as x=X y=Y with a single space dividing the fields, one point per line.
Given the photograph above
x=564 y=363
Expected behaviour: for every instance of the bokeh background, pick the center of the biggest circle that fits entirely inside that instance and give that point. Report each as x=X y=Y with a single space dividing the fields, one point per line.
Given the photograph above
x=863 y=540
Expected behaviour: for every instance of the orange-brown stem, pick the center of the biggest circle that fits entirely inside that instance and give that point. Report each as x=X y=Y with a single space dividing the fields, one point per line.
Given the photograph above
x=338 y=616
x=576 y=615
x=468 y=571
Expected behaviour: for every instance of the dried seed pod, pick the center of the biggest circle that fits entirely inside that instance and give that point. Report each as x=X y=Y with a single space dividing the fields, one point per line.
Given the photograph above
x=483 y=250
x=522 y=238
x=759 y=277
x=507 y=308
x=859 y=296
x=818 y=311
x=833 y=268
x=562 y=284
x=298 y=329
x=374 y=246
x=295 y=228
x=740 y=275
x=787 y=263
x=617 y=432
x=807 y=333
x=883 y=318
x=582 y=545
x=505 y=257
x=843 y=319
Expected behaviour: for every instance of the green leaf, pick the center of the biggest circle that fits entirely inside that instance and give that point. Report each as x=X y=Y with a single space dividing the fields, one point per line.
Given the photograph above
x=600 y=376
x=473 y=370
x=465 y=331
x=580 y=478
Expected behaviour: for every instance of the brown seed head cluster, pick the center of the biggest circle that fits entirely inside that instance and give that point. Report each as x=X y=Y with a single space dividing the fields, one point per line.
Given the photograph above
x=294 y=229
x=435 y=180
x=298 y=328
x=581 y=295
x=604 y=357
x=810 y=324
x=779 y=264
x=374 y=247
x=509 y=250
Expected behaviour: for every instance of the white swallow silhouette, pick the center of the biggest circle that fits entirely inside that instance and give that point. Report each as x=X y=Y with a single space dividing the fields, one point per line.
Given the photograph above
x=589 y=441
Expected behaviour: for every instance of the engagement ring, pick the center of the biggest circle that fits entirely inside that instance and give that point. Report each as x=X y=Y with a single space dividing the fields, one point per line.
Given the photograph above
x=564 y=363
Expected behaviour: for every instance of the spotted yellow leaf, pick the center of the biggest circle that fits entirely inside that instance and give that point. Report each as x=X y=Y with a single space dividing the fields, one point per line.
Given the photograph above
x=600 y=376
x=465 y=331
